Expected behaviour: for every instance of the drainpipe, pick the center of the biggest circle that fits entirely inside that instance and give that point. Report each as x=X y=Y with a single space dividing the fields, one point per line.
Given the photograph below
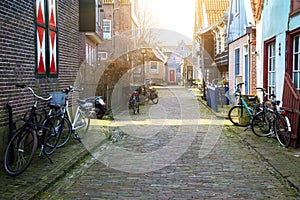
x=10 y=121
x=203 y=70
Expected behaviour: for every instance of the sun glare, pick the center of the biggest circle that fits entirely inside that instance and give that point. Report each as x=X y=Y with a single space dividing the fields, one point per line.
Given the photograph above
x=175 y=15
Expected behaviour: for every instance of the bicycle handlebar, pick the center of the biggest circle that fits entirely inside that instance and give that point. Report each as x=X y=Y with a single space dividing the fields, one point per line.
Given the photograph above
x=23 y=86
x=71 y=89
x=262 y=89
x=265 y=93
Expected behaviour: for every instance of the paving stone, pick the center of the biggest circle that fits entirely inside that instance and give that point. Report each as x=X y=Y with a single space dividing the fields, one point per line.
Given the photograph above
x=239 y=166
x=231 y=170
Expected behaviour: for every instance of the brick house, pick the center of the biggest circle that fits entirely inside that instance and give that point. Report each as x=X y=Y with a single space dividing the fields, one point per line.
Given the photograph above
x=41 y=46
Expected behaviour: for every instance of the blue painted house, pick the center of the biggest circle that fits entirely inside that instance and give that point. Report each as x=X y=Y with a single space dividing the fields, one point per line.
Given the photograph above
x=278 y=55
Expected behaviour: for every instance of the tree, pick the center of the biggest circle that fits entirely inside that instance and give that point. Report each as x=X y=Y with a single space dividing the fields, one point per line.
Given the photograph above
x=147 y=32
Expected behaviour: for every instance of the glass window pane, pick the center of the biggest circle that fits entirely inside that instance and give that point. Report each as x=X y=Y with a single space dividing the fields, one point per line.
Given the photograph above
x=296 y=79
x=296 y=44
x=296 y=62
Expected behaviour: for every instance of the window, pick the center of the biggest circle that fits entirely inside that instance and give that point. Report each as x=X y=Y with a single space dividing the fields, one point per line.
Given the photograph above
x=236 y=7
x=90 y=53
x=107 y=29
x=237 y=61
x=271 y=68
x=102 y=56
x=46 y=38
x=296 y=62
x=153 y=67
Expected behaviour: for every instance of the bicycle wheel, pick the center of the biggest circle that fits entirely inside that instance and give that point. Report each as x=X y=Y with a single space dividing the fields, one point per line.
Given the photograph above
x=136 y=108
x=20 y=151
x=83 y=122
x=282 y=131
x=100 y=114
x=52 y=128
x=239 y=116
x=261 y=124
x=65 y=132
x=155 y=101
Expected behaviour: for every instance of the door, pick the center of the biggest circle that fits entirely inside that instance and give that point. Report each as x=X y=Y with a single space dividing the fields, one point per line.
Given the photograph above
x=172 y=75
x=246 y=74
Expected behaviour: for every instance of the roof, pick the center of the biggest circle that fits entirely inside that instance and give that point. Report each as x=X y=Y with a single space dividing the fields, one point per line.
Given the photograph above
x=257 y=6
x=159 y=55
x=210 y=12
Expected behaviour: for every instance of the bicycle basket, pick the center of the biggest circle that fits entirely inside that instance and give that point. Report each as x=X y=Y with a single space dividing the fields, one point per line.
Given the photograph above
x=58 y=99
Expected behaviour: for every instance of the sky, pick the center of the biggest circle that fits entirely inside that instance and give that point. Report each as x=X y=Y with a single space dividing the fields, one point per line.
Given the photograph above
x=174 y=15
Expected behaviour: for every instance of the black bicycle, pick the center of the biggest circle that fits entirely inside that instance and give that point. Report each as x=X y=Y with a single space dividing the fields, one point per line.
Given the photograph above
x=275 y=122
x=37 y=131
x=134 y=102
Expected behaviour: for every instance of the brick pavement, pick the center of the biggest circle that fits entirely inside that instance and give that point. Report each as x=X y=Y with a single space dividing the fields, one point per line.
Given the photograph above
x=231 y=170
x=285 y=162
x=41 y=173
x=218 y=174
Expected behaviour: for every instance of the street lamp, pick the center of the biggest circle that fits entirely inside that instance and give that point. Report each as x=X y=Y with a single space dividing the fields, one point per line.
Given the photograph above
x=143 y=51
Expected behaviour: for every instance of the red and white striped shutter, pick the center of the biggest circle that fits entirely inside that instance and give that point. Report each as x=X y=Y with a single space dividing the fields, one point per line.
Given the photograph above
x=41 y=46
x=52 y=36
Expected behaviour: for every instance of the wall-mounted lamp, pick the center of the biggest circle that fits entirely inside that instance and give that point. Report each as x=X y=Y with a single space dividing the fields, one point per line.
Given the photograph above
x=255 y=53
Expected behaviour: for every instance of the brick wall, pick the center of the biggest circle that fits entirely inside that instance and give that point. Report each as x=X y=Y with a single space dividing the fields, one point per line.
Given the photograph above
x=253 y=68
x=17 y=61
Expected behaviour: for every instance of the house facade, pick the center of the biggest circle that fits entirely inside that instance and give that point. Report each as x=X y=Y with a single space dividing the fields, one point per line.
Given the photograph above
x=241 y=45
x=221 y=47
x=263 y=50
x=173 y=69
x=185 y=53
x=155 y=72
x=209 y=41
x=278 y=55
x=42 y=47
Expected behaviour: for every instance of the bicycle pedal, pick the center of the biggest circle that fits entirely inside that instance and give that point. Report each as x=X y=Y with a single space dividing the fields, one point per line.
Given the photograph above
x=40 y=133
x=77 y=138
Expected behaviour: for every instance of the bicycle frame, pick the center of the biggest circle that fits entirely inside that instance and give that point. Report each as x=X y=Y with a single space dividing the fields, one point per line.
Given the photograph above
x=242 y=100
x=78 y=114
x=31 y=119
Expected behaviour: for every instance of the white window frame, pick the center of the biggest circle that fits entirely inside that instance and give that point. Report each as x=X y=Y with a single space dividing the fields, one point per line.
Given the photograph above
x=102 y=55
x=107 y=29
x=90 y=53
x=296 y=62
x=155 y=69
x=237 y=65
x=271 y=67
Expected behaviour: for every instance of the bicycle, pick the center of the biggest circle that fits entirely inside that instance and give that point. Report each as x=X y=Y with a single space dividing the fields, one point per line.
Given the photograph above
x=260 y=123
x=241 y=114
x=278 y=123
x=35 y=132
x=81 y=121
x=134 y=102
x=151 y=95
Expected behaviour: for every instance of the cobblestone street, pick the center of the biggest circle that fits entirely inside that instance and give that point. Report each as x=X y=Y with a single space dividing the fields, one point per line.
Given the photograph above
x=176 y=149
